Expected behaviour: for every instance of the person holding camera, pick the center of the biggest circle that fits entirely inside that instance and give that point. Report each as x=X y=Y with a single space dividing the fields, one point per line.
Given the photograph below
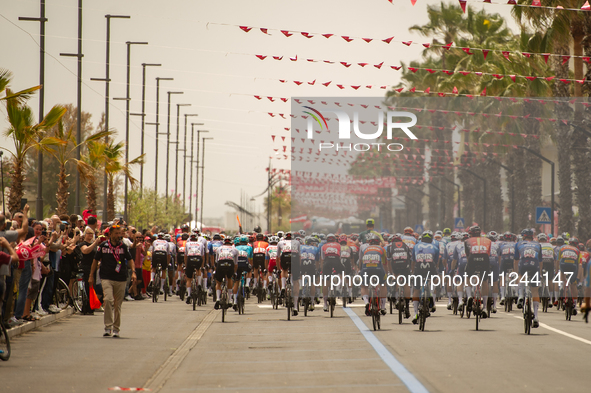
x=88 y=248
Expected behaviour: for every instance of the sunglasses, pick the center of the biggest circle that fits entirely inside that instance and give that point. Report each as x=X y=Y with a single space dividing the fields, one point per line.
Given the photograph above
x=115 y=226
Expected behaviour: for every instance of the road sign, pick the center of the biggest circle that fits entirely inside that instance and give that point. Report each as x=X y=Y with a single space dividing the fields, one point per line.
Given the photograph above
x=543 y=215
x=459 y=223
x=419 y=229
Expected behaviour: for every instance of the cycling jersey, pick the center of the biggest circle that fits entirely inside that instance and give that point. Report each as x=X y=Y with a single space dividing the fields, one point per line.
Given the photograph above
x=568 y=259
x=442 y=254
x=494 y=260
x=288 y=252
x=194 y=251
x=346 y=258
x=450 y=248
x=478 y=253
x=372 y=259
x=226 y=259
x=425 y=257
x=506 y=253
x=181 y=250
x=547 y=258
x=409 y=240
x=160 y=251
x=363 y=236
x=399 y=256
x=259 y=254
x=529 y=254
x=584 y=257
x=460 y=256
x=309 y=255
x=330 y=253
x=272 y=257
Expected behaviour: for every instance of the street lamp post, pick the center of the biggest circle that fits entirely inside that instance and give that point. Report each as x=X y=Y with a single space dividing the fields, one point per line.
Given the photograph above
x=168 y=142
x=202 y=180
x=79 y=55
x=157 y=124
x=459 y=197
x=484 y=189
x=197 y=177
x=41 y=19
x=510 y=172
x=176 y=164
x=191 y=162
x=144 y=65
x=107 y=80
x=551 y=183
x=184 y=180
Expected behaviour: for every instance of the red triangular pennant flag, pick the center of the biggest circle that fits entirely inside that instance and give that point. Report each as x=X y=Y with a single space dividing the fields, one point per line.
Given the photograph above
x=388 y=40
x=506 y=55
x=485 y=53
x=286 y=33
x=463 y=5
x=565 y=59
x=246 y=29
x=546 y=55
x=586 y=6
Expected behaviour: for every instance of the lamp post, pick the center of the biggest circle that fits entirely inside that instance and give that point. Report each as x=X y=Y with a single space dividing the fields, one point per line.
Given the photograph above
x=551 y=183
x=185 y=156
x=107 y=80
x=510 y=172
x=176 y=164
x=197 y=177
x=484 y=189
x=144 y=65
x=202 y=179
x=168 y=142
x=459 y=197
x=79 y=55
x=41 y=19
x=191 y=162
x=157 y=124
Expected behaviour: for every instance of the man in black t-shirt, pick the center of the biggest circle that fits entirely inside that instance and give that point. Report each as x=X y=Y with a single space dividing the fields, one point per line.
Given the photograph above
x=112 y=255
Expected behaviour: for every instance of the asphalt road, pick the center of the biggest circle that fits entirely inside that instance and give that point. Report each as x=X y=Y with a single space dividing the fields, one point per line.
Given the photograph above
x=168 y=347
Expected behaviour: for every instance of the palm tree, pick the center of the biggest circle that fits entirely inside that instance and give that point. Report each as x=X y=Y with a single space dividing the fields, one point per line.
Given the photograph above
x=114 y=165
x=25 y=134
x=20 y=96
x=62 y=145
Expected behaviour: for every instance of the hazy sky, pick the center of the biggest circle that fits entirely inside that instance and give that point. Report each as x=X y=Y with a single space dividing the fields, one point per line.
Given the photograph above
x=214 y=65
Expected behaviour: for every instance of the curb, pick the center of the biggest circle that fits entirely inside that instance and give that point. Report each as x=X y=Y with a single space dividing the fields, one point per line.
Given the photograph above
x=46 y=320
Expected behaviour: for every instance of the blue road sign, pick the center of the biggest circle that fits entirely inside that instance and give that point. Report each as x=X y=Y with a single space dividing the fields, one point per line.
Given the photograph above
x=419 y=229
x=543 y=215
x=459 y=223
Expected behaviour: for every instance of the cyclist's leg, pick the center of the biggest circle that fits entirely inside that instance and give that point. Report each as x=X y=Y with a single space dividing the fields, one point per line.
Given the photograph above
x=460 y=272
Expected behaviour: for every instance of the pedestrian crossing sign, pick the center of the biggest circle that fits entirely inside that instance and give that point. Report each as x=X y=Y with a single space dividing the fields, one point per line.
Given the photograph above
x=459 y=223
x=543 y=215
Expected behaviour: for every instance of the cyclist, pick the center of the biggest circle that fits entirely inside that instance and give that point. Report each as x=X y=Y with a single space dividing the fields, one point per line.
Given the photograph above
x=494 y=266
x=225 y=267
x=194 y=260
x=271 y=258
x=528 y=255
x=478 y=251
x=459 y=261
x=369 y=224
x=212 y=247
x=425 y=255
x=180 y=246
x=259 y=257
x=161 y=255
x=447 y=235
x=450 y=248
x=568 y=260
x=310 y=255
x=244 y=265
x=399 y=258
x=584 y=257
x=346 y=260
x=409 y=238
x=173 y=260
x=330 y=254
x=442 y=263
x=280 y=235
x=548 y=265
x=506 y=254
x=372 y=259
x=288 y=251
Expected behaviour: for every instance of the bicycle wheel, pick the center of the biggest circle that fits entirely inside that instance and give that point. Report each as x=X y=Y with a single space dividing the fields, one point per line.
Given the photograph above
x=373 y=318
x=4 y=343
x=332 y=303
x=182 y=289
x=306 y=305
x=156 y=288
x=378 y=320
x=477 y=315
x=288 y=301
x=166 y=287
x=455 y=306
x=400 y=311
x=62 y=296
x=422 y=319
x=78 y=296
x=568 y=309
x=223 y=303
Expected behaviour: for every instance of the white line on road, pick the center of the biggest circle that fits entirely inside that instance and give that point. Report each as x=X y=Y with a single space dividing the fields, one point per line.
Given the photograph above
x=413 y=384
x=559 y=331
x=157 y=381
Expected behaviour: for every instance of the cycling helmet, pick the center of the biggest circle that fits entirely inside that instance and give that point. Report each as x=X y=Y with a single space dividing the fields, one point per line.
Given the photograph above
x=260 y=236
x=527 y=232
x=257 y=229
x=493 y=236
x=581 y=247
x=465 y=235
x=408 y=231
x=370 y=221
x=565 y=235
x=251 y=238
x=372 y=238
x=217 y=236
x=322 y=236
x=455 y=236
x=331 y=238
x=343 y=239
x=243 y=240
x=274 y=240
x=167 y=237
x=354 y=236
x=160 y=235
x=236 y=240
x=302 y=232
x=447 y=231
x=475 y=231
x=196 y=230
x=288 y=235
x=542 y=237
x=193 y=235
x=397 y=237
x=227 y=240
x=280 y=234
x=553 y=241
x=427 y=237
x=560 y=241
x=573 y=241
x=507 y=236
x=184 y=227
x=185 y=236
x=309 y=240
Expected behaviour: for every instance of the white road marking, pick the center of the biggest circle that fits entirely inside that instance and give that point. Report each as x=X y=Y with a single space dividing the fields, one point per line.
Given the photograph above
x=559 y=331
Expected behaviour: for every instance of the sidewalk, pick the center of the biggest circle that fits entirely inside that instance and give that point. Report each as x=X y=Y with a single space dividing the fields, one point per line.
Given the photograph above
x=32 y=325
